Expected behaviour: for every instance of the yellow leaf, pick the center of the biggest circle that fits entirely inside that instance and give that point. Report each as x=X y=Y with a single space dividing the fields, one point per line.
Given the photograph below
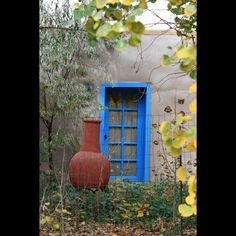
x=190 y=10
x=185 y=52
x=192 y=188
x=190 y=199
x=181 y=173
x=146 y=205
x=191 y=179
x=185 y=210
x=193 y=106
x=165 y=127
x=194 y=209
x=143 y=4
x=100 y=3
x=190 y=147
x=126 y=2
x=112 y=1
x=193 y=88
x=179 y=138
x=140 y=214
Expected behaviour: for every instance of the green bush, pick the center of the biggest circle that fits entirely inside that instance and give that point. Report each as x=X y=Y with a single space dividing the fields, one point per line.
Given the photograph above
x=120 y=202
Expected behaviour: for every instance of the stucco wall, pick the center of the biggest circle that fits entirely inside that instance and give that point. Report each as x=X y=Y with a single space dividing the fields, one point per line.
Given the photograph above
x=166 y=88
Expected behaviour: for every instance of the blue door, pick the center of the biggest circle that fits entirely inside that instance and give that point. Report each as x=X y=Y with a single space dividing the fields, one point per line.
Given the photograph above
x=123 y=134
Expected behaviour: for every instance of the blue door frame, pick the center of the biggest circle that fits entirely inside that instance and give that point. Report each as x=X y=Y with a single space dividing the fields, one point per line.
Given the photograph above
x=143 y=136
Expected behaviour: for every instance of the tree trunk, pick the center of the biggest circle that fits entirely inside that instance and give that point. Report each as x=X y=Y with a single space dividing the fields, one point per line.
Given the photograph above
x=50 y=160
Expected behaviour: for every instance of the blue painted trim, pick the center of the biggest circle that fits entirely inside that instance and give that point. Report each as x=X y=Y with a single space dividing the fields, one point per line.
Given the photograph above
x=102 y=117
x=144 y=176
x=126 y=85
x=147 y=133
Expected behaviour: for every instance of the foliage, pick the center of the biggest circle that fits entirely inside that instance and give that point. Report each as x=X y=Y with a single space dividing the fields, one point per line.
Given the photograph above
x=121 y=203
x=67 y=83
x=112 y=20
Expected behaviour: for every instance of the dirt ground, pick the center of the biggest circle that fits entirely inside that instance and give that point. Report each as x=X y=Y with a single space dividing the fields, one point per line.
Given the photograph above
x=106 y=229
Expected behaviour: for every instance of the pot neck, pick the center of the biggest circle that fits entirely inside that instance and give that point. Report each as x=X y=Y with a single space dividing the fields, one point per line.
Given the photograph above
x=90 y=139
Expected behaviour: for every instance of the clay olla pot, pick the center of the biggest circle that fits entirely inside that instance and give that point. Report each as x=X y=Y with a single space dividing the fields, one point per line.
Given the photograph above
x=89 y=168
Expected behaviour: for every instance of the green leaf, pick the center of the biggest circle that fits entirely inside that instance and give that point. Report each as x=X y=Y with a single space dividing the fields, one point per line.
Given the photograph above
x=113 y=35
x=190 y=10
x=103 y=30
x=135 y=40
x=117 y=14
x=186 y=68
x=133 y=14
x=93 y=42
x=193 y=74
x=185 y=210
x=78 y=13
x=119 y=27
x=56 y=226
x=137 y=27
x=121 y=45
x=168 y=142
x=98 y=15
x=175 y=152
x=89 y=24
x=165 y=60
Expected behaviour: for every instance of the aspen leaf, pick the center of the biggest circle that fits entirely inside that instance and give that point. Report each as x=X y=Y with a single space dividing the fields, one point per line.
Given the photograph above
x=112 y=1
x=56 y=226
x=168 y=109
x=190 y=147
x=193 y=74
x=192 y=188
x=179 y=138
x=121 y=45
x=193 y=106
x=165 y=60
x=137 y=27
x=143 y=4
x=194 y=209
x=185 y=52
x=181 y=101
x=185 y=210
x=119 y=27
x=165 y=127
x=181 y=173
x=140 y=214
x=191 y=179
x=190 y=199
x=126 y=2
x=135 y=40
x=98 y=15
x=103 y=30
x=190 y=10
x=175 y=152
x=193 y=88
x=100 y=3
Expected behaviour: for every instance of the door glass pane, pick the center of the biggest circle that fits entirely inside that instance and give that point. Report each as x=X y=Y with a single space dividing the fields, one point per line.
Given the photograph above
x=114 y=151
x=131 y=101
x=130 y=151
x=115 y=168
x=115 y=117
x=131 y=117
x=114 y=134
x=130 y=169
x=115 y=101
x=130 y=135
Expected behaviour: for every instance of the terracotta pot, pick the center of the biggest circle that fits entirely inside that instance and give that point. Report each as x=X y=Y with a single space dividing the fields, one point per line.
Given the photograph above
x=89 y=168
